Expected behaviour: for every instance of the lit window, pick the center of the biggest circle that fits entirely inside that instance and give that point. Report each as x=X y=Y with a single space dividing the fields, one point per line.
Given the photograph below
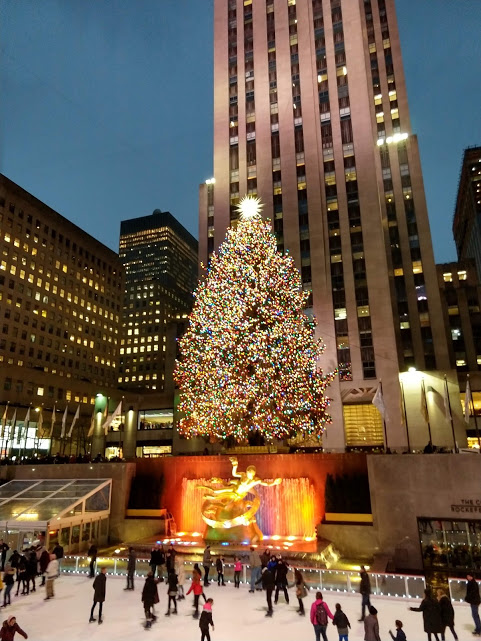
x=455 y=333
x=340 y=314
x=363 y=310
x=417 y=267
x=462 y=275
x=460 y=362
x=399 y=272
x=404 y=325
x=40 y=391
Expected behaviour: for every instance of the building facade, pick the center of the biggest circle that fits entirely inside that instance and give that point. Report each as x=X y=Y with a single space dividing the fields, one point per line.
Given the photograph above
x=466 y=223
x=61 y=295
x=160 y=260
x=311 y=114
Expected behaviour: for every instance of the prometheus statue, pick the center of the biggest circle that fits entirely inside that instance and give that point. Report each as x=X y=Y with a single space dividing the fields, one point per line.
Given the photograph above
x=235 y=503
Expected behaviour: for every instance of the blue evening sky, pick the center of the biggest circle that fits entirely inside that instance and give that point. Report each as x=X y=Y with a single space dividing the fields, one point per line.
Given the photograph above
x=106 y=106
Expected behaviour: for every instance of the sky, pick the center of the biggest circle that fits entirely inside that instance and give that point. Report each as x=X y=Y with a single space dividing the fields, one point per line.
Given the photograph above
x=106 y=105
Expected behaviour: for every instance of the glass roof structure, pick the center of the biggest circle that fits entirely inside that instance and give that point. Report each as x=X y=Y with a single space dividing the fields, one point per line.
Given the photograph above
x=36 y=503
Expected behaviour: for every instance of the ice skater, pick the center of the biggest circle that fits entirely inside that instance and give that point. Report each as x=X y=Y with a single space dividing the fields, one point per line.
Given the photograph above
x=320 y=613
x=179 y=570
x=9 y=581
x=52 y=574
x=131 y=562
x=197 y=589
x=473 y=598
x=256 y=567
x=237 y=571
x=9 y=627
x=268 y=583
x=172 y=591
x=342 y=623
x=431 y=610
x=150 y=597
x=281 y=578
x=206 y=620
x=206 y=562
x=219 y=566
x=99 y=585
x=447 y=613
x=365 y=590
x=92 y=553
x=400 y=636
x=371 y=626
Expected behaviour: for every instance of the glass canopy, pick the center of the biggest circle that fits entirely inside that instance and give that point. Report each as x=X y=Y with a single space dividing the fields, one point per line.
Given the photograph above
x=36 y=503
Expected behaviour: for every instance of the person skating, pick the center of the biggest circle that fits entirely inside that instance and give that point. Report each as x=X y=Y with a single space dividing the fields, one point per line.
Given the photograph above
x=154 y=559
x=206 y=562
x=22 y=576
x=268 y=583
x=206 y=620
x=219 y=566
x=447 y=613
x=9 y=582
x=400 y=635
x=160 y=563
x=170 y=559
x=150 y=596
x=9 y=628
x=52 y=574
x=371 y=626
x=265 y=558
x=131 y=561
x=179 y=570
x=431 y=610
x=172 y=590
x=4 y=548
x=92 y=553
x=301 y=591
x=99 y=585
x=237 y=571
x=365 y=591
x=320 y=613
x=197 y=589
x=472 y=597
x=256 y=567
x=31 y=569
x=43 y=560
x=282 y=569
x=342 y=623
x=14 y=560
x=58 y=551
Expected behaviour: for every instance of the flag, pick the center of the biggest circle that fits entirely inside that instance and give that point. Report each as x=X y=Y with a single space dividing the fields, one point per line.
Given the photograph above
x=424 y=403
x=40 y=422
x=12 y=425
x=378 y=401
x=92 y=425
x=4 y=421
x=26 y=421
x=447 y=408
x=467 y=402
x=64 y=421
x=117 y=412
x=75 y=419
x=53 y=421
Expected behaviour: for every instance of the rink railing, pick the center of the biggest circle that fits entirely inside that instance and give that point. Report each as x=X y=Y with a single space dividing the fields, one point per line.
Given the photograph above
x=390 y=585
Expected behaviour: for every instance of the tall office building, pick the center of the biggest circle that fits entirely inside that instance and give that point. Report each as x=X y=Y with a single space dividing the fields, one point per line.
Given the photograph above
x=311 y=114
x=160 y=260
x=466 y=223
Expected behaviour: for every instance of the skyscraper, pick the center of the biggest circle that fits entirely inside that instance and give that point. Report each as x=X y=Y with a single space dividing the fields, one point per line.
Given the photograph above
x=160 y=260
x=311 y=114
x=466 y=224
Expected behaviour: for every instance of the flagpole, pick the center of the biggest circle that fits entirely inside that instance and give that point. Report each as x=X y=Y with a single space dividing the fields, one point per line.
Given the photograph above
x=403 y=399
x=427 y=411
x=25 y=426
x=4 y=425
x=121 y=422
x=450 y=414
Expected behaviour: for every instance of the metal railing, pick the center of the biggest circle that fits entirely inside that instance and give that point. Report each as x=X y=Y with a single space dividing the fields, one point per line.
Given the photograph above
x=389 y=585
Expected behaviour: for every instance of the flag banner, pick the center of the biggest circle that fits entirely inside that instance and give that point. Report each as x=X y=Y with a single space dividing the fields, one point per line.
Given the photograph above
x=447 y=409
x=23 y=431
x=75 y=419
x=12 y=425
x=378 y=401
x=40 y=423
x=424 y=403
x=4 y=421
x=467 y=402
x=92 y=425
x=117 y=412
x=53 y=421
x=64 y=422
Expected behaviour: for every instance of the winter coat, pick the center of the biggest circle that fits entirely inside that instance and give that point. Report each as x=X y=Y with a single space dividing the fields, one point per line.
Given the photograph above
x=314 y=607
x=271 y=565
x=31 y=565
x=365 y=587
x=341 y=622
x=206 y=617
x=219 y=565
x=4 y=548
x=255 y=559
x=472 y=592
x=92 y=553
x=265 y=556
x=52 y=569
x=58 y=551
x=196 y=586
x=14 y=559
x=207 y=558
x=281 y=573
x=447 y=611
x=161 y=557
x=8 y=577
x=44 y=561
x=99 y=586
x=400 y=636
x=267 y=580
x=371 y=628
x=238 y=566
x=7 y=633
x=431 y=615
x=150 y=596
x=131 y=562
x=170 y=559
x=172 y=583
x=179 y=569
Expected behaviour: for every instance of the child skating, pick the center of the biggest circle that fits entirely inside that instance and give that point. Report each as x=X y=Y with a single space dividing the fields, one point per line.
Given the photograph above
x=206 y=620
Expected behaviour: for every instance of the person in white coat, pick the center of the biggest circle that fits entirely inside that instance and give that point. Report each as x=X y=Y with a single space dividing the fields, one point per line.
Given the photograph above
x=52 y=574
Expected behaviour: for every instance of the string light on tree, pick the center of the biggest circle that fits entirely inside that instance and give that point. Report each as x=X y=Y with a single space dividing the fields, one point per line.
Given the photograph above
x=249 y=360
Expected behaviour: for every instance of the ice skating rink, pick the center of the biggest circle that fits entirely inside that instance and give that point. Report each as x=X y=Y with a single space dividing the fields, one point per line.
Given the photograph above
x=238 y=615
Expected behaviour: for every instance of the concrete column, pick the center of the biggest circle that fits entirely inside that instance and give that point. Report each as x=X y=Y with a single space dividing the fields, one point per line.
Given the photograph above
x=98 y=438
x=130 y=432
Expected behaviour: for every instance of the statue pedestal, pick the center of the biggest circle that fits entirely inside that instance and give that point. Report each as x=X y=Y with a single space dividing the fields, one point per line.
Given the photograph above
x=238 y=534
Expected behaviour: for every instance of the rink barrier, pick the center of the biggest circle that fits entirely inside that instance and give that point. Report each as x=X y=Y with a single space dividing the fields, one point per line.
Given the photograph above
x=407 y=586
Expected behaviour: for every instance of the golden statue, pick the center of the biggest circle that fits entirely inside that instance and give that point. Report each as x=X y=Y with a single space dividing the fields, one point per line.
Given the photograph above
x=228 y=506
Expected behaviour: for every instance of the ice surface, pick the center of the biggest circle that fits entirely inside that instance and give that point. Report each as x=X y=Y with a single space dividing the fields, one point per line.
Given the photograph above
x=238 y=615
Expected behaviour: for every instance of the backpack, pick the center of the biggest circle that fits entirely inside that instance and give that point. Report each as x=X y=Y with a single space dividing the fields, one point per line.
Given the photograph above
x=321 y=614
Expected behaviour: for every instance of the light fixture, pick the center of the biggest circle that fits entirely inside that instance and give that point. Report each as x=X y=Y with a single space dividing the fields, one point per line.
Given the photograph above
x=210 y=181
x=411 y=370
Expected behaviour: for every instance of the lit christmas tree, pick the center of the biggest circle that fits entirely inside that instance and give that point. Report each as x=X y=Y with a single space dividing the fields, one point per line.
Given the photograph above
x=249 y=358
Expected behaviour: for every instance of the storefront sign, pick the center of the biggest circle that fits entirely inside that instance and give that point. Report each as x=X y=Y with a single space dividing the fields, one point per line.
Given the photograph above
x=467 y=506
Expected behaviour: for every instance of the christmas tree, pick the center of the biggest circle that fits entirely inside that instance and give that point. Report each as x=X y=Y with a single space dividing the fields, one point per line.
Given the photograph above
x=249 y=358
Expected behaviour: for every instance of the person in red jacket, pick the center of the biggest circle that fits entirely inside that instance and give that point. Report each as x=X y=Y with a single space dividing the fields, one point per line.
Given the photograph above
x=9 y=627
x=320 y=613
x=197 y=589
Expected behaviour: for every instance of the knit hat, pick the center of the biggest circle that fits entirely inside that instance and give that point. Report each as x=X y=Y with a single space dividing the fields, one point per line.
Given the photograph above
x=10 y=619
